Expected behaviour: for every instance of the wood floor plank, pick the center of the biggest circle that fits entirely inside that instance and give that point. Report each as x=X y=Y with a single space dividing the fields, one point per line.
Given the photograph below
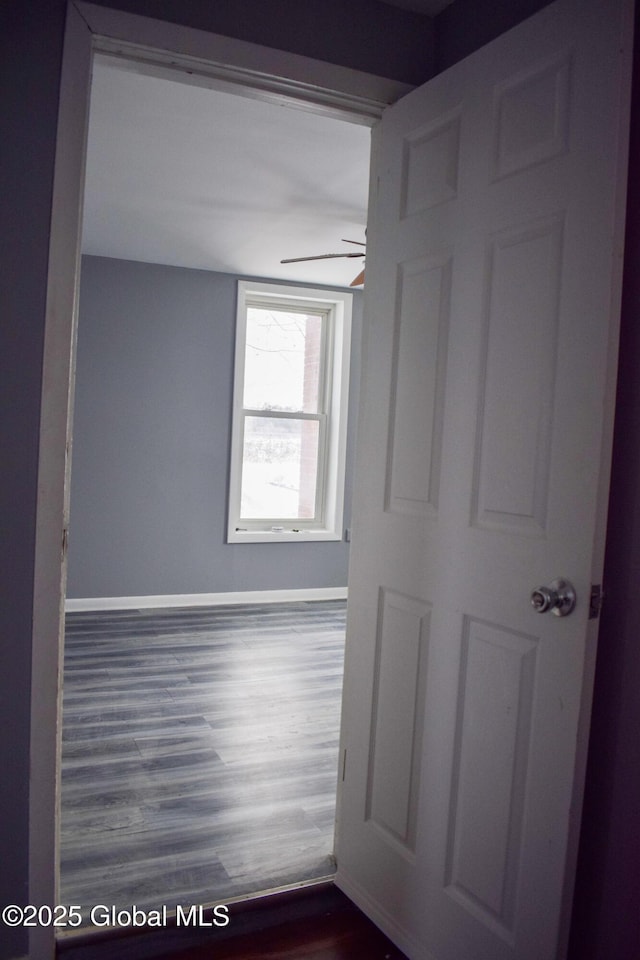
x=199 y=751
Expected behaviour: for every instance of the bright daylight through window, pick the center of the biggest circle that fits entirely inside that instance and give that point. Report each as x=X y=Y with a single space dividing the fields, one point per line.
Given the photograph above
x=290 y=413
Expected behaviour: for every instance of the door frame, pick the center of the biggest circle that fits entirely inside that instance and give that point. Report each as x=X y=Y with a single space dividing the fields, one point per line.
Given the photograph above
x=194 y=56
x=250 y=70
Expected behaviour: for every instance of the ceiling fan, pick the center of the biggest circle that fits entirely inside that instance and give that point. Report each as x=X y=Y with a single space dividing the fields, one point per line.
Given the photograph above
x=358 y=281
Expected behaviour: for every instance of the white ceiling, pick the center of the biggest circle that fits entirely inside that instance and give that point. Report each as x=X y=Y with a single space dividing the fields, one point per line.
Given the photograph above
x=181 y=175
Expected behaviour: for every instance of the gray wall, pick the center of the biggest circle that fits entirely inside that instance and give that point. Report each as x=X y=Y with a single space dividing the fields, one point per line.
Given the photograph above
x=467 y=25
x=151 y=438
x=607 y=900
x=30 y=58
x=31 y=38
x=361 y=34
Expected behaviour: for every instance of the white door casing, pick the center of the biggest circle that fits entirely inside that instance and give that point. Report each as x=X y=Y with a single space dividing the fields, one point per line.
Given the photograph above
x=491 y=304
x=210 y=60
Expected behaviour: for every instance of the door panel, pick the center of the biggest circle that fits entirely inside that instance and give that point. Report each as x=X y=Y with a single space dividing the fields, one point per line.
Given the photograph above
x=517 y=377
x=420 y=337
x=397 y=723
x=494 y=234
x=490 y=764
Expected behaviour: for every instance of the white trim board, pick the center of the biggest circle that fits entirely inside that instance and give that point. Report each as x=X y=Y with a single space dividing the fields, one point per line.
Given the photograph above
x=224 y=63
x=88 y=604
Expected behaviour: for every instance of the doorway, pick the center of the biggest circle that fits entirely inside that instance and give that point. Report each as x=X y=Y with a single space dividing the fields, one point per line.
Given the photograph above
x=216 y=61
x=132 y=359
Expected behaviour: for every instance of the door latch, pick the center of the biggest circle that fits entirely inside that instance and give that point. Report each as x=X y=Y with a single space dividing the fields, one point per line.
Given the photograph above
x=595 y=601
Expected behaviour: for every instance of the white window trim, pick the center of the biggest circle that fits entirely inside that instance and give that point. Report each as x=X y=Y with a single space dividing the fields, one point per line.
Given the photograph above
x=338 y=305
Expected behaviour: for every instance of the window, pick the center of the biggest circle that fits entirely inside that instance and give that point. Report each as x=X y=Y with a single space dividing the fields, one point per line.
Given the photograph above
x=290 y=413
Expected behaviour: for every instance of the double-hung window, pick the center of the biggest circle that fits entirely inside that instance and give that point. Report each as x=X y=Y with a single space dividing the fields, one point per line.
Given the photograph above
x=290 y=413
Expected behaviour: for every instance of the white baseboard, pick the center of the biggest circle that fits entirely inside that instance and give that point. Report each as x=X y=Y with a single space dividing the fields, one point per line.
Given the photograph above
x=86 y=604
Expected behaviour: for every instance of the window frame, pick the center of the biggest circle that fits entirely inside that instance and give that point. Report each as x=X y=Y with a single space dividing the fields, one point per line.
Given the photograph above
x=336 y=306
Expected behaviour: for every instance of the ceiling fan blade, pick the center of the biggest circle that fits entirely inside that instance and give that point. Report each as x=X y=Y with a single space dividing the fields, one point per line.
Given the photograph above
x=359 y=280
x=358 y=243
x=322 y=256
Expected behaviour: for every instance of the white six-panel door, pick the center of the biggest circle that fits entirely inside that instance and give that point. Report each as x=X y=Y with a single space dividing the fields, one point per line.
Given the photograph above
x=491 y=295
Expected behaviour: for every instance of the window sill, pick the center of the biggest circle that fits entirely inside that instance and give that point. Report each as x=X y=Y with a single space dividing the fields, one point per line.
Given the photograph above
x=282 y=536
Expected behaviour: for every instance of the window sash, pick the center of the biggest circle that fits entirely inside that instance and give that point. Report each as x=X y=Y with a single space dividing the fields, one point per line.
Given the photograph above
x=304 y=308
x=321 y=417
x=333 y=377
x=246 y=522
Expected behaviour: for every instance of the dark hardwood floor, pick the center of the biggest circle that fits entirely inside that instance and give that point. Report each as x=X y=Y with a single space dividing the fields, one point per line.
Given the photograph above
x=200 y=751
x=311 y=924
x=343 y=934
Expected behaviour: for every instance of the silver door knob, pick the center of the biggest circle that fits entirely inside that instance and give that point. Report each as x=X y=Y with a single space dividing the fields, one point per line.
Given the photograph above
x=559 y=597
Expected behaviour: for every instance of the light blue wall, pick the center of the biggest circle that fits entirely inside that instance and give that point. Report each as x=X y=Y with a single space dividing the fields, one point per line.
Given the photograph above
x=151 y=442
